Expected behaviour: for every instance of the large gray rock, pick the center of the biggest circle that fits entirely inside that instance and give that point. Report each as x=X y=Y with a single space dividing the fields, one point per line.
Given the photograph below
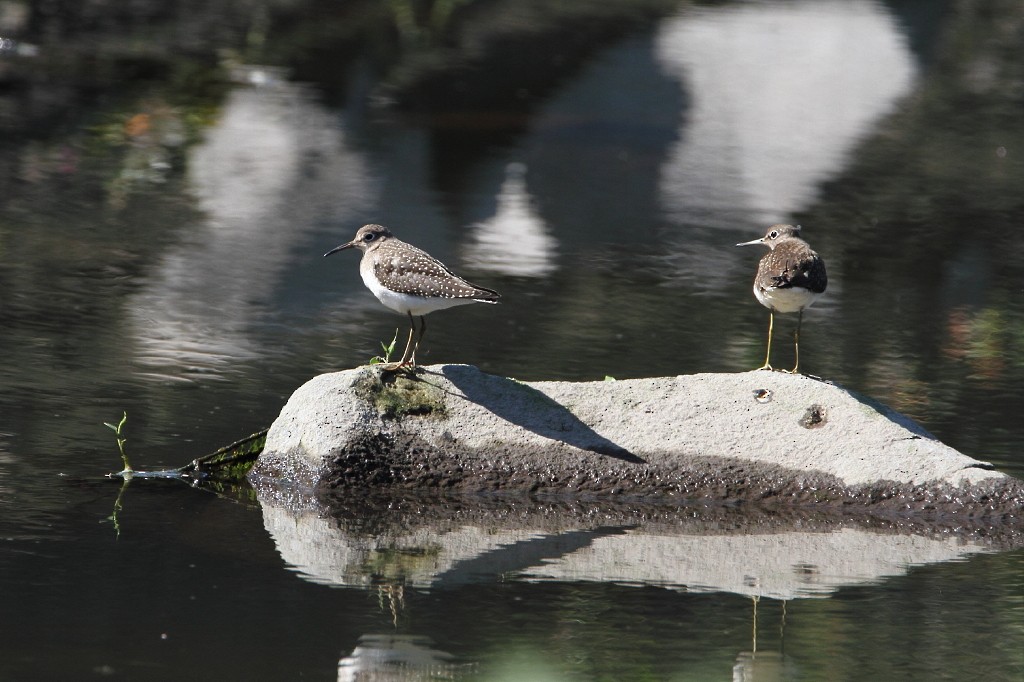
x=768 y=437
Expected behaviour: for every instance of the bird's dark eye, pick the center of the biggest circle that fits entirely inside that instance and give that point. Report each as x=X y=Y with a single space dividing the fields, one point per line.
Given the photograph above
x=774 y=234
x=369 y=237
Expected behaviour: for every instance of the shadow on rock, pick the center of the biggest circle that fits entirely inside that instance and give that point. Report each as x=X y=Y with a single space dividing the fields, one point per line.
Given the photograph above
x=530 y=409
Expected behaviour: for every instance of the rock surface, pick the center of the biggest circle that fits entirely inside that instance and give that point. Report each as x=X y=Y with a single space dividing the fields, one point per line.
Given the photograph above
x=765 y=437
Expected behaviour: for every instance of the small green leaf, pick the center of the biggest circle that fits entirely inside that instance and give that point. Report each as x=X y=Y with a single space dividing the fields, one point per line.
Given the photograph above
x=388 y=350
x=609 y=378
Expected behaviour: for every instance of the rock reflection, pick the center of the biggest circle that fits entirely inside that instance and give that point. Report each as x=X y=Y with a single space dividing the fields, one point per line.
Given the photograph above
x=444 y=545
x=273 y=167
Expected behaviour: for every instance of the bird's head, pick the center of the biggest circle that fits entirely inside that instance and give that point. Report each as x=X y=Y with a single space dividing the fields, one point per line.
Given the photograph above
x=366 y=238
x=774 y=235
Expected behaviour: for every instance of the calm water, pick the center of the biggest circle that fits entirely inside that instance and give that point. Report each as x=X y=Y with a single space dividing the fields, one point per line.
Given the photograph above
x=169 y=179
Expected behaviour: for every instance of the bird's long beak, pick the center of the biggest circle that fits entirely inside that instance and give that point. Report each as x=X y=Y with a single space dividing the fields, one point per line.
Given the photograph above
x=336 y=249
x=752 y=242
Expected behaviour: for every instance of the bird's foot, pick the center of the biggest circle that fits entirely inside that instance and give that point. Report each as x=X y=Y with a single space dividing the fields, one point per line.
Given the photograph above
x=765 y=366
x=404 y=366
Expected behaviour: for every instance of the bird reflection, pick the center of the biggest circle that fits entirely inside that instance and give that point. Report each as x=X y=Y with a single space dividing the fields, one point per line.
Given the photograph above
x=763 y=666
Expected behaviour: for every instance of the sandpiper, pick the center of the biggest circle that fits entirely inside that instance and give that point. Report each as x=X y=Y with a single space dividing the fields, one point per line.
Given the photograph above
x=789 y=279
x=409 y=280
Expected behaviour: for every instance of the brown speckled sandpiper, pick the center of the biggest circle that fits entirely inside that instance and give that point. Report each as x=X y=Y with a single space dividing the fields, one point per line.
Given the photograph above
x=410 y=281
x=789 y=279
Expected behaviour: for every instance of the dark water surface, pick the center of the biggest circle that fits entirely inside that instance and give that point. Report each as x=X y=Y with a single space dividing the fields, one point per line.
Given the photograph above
x=169 y=178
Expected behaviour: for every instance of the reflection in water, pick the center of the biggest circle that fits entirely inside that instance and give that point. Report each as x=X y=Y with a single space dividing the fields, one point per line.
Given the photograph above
x=781 y=94
x=515 y=241
x=397 y=657
x=779 y=565
x=274 y=166
x=438 y=547
x=763 y=666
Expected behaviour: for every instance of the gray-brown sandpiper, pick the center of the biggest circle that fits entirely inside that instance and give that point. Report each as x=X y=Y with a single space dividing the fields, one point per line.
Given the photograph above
x=410 y=281
x=789 y=279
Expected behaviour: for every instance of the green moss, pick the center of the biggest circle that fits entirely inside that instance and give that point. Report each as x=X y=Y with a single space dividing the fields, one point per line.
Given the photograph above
x=399 y=394
x=231 y=462
x=392 y=563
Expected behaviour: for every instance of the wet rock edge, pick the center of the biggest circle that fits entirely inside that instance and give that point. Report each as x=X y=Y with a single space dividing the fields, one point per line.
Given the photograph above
x=399 y=465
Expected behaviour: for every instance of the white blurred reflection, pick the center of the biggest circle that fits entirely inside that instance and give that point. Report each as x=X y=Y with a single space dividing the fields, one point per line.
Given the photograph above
x=273 y=168
x=781 y=93
x=397 y=657
x=515 y=241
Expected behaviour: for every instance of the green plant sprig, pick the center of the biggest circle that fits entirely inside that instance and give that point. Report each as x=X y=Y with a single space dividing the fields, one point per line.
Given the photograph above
x=388 y=349
x=121 y=440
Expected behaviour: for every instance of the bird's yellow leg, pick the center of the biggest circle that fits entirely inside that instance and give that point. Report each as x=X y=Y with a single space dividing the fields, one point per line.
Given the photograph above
x=771 y=327
x=404 y=362
x=796 y=343
x=416 y=346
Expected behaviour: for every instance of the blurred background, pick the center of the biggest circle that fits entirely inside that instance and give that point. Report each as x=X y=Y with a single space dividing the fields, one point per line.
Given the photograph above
x=172 y=172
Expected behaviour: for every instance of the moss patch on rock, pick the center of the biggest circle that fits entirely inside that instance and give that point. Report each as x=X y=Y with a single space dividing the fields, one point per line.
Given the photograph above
x=400 y=394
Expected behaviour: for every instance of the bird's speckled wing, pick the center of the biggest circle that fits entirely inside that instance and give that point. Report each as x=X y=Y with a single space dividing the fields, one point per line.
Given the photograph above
x=803 y=268
x=405 y=269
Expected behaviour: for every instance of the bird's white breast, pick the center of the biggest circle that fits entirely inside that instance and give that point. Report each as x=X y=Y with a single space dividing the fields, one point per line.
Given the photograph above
x=785 y=300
